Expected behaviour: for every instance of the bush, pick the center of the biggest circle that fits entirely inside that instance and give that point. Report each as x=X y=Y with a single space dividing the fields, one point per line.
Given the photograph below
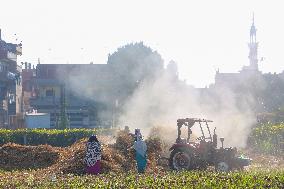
x=53 y=137
x=268 y=138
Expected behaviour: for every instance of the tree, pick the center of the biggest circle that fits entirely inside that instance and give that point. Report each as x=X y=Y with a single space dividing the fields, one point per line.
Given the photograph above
x=132 y=64
x=63 y=122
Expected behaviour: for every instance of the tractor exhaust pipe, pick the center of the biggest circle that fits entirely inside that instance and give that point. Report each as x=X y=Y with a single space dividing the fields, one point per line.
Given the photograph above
x=222 y=141
x=215 y=139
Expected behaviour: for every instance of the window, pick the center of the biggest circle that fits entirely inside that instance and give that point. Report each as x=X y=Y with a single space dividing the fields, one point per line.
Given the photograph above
x=49 y=92
x=51 y=73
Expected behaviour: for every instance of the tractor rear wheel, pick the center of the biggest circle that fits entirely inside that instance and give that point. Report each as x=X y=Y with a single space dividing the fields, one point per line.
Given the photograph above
x=180 y=160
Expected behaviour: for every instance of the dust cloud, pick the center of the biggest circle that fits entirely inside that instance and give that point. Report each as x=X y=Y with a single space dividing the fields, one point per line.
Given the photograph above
x=162 y=101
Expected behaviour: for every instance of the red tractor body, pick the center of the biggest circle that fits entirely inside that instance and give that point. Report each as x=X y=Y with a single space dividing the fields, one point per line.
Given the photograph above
x=198 y=155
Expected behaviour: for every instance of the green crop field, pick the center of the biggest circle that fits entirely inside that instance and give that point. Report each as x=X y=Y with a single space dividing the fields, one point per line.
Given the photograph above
x=194 y=179
x=266 y=171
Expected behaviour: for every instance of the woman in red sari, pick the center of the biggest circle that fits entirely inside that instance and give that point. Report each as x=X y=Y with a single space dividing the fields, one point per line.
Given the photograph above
x=93 y=155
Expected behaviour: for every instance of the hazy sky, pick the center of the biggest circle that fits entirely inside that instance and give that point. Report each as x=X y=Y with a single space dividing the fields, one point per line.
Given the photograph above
x=200 y=36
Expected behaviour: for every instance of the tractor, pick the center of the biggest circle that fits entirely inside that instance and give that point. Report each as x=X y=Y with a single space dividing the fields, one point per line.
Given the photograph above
x=187 y=155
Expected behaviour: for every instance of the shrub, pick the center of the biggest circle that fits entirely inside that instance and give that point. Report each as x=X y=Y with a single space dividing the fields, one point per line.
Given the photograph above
x=268 y=138
x=53 y=137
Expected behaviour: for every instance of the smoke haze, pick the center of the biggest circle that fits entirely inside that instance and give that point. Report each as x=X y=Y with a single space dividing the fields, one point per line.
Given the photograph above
x=164 y=100
x=161 y=99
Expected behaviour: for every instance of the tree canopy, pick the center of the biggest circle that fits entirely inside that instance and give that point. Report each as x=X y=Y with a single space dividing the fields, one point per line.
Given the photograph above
x=132 y=64
x=136 y=61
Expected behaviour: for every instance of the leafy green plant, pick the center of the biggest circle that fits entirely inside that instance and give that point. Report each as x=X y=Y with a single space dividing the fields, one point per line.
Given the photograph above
x=192 y=179
x=52 y=137
x=268 y=138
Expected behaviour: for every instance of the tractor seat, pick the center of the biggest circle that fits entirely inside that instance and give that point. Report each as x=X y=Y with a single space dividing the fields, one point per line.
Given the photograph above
x=181 y=140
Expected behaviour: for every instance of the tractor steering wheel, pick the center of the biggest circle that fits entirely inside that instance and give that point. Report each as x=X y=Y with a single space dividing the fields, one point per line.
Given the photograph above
x=200 y=138
x=203 y=138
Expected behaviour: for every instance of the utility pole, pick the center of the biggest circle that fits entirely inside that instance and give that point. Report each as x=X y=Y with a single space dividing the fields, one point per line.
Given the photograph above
x=63 y=119
x=7 y=124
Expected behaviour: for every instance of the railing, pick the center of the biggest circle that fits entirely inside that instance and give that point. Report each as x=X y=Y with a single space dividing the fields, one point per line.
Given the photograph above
x=3 y=76
x=40 y=101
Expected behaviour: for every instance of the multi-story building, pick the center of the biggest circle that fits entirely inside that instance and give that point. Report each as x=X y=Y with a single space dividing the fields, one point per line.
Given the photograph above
x=58 y=90
x=10 y=85
x=28 y=73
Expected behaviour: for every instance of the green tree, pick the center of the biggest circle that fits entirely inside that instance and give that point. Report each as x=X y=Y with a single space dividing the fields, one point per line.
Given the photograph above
x=132 y=64
x=63 y=121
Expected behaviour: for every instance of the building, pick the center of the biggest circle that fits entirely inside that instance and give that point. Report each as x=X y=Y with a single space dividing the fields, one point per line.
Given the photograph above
x=37 y=120
x=75 y=92
x=250 y=72
x=28 y=73
x=10 y=85
x=265 y=90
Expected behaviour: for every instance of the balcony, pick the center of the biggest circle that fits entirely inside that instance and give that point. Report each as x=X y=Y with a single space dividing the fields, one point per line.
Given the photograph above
x=44 y=82
x=45 y=101
x=3 y=76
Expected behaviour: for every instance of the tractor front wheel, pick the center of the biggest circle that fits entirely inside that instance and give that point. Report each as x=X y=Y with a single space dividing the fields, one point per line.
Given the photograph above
x=180 y=160
x=222 y=166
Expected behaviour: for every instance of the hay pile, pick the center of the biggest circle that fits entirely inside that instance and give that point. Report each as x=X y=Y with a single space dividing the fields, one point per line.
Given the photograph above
x=116 y=157
x=15 y=156
x=71 y=160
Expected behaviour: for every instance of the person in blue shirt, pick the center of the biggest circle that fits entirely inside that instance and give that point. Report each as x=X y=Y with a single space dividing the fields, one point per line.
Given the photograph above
x=140 y=152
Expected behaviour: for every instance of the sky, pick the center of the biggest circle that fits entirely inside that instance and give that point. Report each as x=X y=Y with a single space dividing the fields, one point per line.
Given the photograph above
x=201 y=36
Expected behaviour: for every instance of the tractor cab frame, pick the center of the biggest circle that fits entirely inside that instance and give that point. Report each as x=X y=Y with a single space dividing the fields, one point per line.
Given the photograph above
x=189 y=123
x=198 y=155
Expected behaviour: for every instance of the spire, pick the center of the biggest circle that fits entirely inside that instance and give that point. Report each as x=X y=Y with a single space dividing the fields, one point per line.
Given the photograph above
x=253 y=45
x=253 y=18
x=252 y=31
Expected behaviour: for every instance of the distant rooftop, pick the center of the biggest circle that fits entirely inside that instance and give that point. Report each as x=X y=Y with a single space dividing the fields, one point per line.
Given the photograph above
x=6 y=48
x=36 y=114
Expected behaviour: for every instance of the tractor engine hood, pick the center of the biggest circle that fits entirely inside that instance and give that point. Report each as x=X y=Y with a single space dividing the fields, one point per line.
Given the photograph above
x=243 y=161
x=182 y=145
